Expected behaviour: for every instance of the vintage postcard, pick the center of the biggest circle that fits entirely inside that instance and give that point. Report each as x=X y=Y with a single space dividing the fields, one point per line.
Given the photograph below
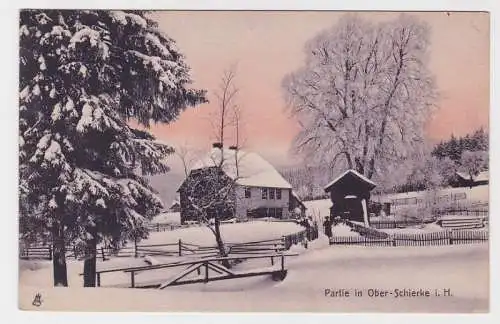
x=254 y=161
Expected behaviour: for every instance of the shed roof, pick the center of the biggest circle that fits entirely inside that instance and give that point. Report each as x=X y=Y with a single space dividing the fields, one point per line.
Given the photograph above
x=350 y=175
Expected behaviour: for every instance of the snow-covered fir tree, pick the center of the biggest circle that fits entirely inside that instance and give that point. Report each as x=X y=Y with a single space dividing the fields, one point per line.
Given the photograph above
x=84 y=75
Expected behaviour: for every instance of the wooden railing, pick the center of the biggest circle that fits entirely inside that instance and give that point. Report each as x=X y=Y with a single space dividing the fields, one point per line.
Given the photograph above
x=197 y=265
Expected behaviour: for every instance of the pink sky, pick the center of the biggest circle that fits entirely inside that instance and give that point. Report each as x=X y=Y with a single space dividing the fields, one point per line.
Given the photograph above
x=268 y=45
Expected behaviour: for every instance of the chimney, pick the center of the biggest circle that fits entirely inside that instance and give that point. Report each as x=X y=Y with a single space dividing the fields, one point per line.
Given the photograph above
x=217 y=145
x=233 y=147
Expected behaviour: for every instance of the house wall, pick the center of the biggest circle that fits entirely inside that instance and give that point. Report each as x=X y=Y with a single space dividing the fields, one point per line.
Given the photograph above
x=255 y=201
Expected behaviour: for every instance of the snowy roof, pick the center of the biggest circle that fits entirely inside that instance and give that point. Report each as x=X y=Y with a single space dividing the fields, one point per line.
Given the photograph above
x=353 y=172
x=296 y=196
x=482 y=176
x=253 y=170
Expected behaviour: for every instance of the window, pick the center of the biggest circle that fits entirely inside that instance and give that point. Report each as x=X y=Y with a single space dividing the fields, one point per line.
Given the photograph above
x=278 y=194
x=272 y=212
x=271 y=193
x=279 y=212
x=264 y=193
x=248 y=192
x=444 y=198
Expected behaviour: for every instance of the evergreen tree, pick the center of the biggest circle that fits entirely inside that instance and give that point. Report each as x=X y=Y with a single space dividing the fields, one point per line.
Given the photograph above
x=84 y=74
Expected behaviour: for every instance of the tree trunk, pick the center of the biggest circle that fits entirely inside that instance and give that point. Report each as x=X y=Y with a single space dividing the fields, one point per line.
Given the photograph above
x=371 y=168
x=89 y=265
x=359 y=166
x=59 y=257
x=220 y=243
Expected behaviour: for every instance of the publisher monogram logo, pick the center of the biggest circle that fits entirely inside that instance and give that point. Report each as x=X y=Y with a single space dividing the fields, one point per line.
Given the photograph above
x=37 y=301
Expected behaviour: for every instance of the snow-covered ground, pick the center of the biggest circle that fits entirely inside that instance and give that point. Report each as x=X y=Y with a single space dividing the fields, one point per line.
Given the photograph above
x=478 y=194
x=168 y=218
x=343 y=230
x=233 y=233
x=463 y=269
x=417 y=229
x=318 y=209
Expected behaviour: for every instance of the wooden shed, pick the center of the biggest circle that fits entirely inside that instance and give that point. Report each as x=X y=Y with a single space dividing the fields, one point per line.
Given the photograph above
x=350 y=193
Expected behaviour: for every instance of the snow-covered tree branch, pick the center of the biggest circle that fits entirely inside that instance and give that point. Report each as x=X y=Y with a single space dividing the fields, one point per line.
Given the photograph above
x=364 y=95
x=84 y=74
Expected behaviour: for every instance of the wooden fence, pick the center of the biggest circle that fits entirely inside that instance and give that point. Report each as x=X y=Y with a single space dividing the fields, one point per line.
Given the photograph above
x=420 y=239
x=464 y=212
x=310 y=233
x=387 y=224
x=162 y=227
x=36 y=252
x=180 y=248
x=470 y=219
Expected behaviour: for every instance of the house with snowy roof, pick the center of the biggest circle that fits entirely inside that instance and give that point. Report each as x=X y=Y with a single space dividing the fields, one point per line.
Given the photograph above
x=256 y=188
x=175 y=206
x=465 y=180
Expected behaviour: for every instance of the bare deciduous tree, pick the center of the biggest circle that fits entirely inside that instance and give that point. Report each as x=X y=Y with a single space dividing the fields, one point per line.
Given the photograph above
x=210 y=189
x=187 y=156
x=364 y=95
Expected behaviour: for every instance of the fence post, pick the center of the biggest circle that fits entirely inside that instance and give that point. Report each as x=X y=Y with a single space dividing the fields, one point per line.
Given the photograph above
x=180 y=249
x=157 y=227
x=132 y=279
x=98 y=274
x=206 y=271
x=102 y=253
x=50 y=252
x=135 y=247
x=282 y=262
x=74 y=252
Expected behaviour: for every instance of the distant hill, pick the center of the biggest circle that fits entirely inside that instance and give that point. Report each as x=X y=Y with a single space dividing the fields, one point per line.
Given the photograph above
x=166 y=185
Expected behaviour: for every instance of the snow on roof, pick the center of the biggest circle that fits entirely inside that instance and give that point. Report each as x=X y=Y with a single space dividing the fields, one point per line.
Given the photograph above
x=482 y=176
x=296 y=196
x=362 y=177
x=253 y=170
